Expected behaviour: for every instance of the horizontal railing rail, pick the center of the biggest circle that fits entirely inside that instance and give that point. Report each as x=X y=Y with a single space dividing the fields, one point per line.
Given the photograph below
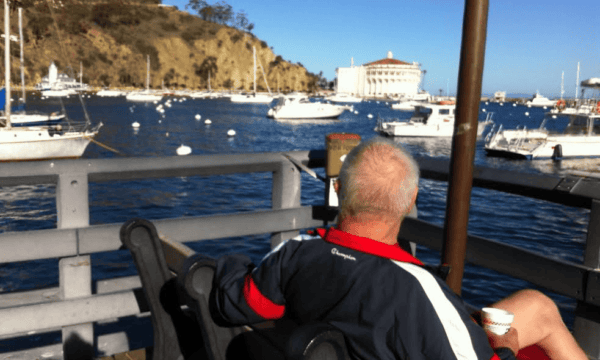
x=284 y=220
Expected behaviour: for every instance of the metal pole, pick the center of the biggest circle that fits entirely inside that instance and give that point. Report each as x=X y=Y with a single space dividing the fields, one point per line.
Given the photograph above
x=7 y=64
x=22 y=62
x=463 y=142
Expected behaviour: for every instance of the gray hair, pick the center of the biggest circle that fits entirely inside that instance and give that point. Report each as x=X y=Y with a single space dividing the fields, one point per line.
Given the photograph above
x=378 y=177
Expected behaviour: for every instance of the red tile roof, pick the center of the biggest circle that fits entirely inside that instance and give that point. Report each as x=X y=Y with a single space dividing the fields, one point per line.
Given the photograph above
x=388 y=62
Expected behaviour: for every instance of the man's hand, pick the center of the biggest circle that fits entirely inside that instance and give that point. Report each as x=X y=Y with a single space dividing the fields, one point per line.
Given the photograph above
x=509 y=340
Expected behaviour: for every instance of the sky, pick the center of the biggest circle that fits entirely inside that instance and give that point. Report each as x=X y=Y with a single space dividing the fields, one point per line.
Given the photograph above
x=530 y=43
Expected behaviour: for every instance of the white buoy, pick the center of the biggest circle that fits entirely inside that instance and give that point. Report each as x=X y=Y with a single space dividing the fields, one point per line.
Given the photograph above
x=514 y=104
x=528 y=105
x=483 y=110
x=167 y=134
x=160 y=121
x=501 y=104
x=156 y=102
x=184 y=150
x=370 y=116
x=207 y=122
x=231 y=132
x=545 y=107
x=554 y=116
x=487 y=103
x=526 y=113
x=356 y=112
x=198 y=117
x=135 y=125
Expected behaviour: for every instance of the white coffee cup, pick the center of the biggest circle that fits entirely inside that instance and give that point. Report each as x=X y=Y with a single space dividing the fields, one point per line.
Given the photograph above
x=496 y=320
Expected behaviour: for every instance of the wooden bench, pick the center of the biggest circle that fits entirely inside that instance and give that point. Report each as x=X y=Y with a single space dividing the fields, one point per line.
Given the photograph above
x=179 y=305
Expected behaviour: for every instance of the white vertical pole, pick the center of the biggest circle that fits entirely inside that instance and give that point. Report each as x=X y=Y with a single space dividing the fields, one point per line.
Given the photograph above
x=7 y=64
x=254 y=58
x=577 y=83
x=562 y=85
x=21 y=42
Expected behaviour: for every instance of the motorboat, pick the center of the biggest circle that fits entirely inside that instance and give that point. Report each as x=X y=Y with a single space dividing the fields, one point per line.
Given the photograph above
x=429 y=120
x=539 y=100
x=343 y=98
x=300 y=107
x=580 y=138
x=145 y=95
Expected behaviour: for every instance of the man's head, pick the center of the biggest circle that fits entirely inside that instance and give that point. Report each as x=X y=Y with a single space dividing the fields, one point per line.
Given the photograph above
x=378 y=179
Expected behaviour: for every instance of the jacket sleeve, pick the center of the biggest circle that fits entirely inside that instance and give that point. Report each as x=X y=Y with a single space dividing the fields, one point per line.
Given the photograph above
x=503 y=354
x=245 y=294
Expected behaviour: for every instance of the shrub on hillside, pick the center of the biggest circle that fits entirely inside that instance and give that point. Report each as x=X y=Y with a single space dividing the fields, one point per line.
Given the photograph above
x=148 y=49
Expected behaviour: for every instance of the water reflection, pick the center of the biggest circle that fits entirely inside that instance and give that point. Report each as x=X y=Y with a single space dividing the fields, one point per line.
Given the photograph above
x=568 y=166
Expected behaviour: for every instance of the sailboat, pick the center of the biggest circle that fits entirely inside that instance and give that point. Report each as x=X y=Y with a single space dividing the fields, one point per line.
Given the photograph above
x=254 y=97
x=145 y=95
x=22 y=117
x=41 y=142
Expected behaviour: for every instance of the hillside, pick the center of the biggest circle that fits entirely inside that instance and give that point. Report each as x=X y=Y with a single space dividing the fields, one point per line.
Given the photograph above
x=112 y=39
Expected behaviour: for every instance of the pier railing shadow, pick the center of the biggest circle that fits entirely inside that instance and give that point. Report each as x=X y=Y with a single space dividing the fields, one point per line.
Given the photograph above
x=92 y=318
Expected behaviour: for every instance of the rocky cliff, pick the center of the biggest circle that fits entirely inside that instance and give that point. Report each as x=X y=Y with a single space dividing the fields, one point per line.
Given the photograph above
x=111 y=41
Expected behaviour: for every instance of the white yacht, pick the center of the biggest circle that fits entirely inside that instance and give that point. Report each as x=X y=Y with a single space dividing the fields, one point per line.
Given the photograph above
x=343 y=98
x=300 y=107
x=539 y=100
x=581 y=138
x=428 y=120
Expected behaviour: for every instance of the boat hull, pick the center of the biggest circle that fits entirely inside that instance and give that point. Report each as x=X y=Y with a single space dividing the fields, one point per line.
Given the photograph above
x=318 y=111
x=25 y=119
x=251 y=99
x=41 y=144
x=141 y=97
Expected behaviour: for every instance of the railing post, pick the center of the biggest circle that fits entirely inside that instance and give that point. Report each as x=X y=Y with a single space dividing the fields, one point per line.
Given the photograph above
x=286 y=194
x=586 y=328
x=75 y=273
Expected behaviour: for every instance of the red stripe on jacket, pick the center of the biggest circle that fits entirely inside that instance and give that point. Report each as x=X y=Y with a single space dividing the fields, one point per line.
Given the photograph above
x=259 y=303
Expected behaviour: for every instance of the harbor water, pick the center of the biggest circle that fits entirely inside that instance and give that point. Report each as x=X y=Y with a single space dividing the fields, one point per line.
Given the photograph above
x=553 y=230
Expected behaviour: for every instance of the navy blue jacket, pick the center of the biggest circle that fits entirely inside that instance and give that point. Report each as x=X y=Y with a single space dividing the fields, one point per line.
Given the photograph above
x=382 y=298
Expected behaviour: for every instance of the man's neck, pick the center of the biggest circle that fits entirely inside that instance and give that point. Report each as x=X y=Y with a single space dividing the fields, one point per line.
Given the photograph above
x=374 y=229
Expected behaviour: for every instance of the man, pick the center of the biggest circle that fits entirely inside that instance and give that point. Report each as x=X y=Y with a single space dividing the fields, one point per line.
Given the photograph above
x=359 y=280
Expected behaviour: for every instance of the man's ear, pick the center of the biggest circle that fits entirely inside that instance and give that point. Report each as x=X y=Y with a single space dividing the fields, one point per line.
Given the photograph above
x=336 y=186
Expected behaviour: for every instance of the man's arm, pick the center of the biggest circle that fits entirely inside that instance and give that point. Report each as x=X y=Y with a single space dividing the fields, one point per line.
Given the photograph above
x=245 y=294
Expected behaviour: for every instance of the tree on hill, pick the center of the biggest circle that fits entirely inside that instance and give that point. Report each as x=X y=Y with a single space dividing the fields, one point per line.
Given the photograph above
x=221 y=13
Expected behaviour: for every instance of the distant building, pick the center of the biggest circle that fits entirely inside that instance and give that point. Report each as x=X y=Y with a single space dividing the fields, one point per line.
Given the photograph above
x=499 y=96
x=54 y=81
x=385 y=77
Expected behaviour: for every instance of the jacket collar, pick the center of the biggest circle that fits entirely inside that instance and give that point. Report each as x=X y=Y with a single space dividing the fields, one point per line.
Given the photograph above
x=366 y=245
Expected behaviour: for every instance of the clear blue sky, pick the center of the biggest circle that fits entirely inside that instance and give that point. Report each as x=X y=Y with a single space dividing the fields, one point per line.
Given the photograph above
x=529 y=43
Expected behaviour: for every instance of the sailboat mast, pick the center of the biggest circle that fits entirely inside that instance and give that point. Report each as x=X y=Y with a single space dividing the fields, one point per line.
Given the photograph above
x=577 y=83
x=209 y=81
x=562 y=85
x=254 y=58
x=22 y=62
x=147 y=72
x=80 y=75
x=7 y=64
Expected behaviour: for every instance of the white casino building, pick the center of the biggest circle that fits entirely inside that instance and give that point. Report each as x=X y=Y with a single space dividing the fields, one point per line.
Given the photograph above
x=385 y=77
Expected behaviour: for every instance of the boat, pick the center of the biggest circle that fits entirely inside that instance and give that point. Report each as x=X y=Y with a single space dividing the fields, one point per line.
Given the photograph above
x=60 y=85
x=41 y=142
x=539 y=100
x=20 y=116
x=580 y=138
x=145 y=95
x=343 y=98
x=428 y=120
x=110 y=92
x=254 y=97
x=300 y=107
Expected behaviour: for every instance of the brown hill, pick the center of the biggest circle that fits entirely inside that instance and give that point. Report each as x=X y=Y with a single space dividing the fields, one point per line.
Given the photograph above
x=112 y=39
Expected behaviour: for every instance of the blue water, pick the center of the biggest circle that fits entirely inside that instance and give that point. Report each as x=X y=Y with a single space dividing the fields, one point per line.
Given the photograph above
x=550 y=229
